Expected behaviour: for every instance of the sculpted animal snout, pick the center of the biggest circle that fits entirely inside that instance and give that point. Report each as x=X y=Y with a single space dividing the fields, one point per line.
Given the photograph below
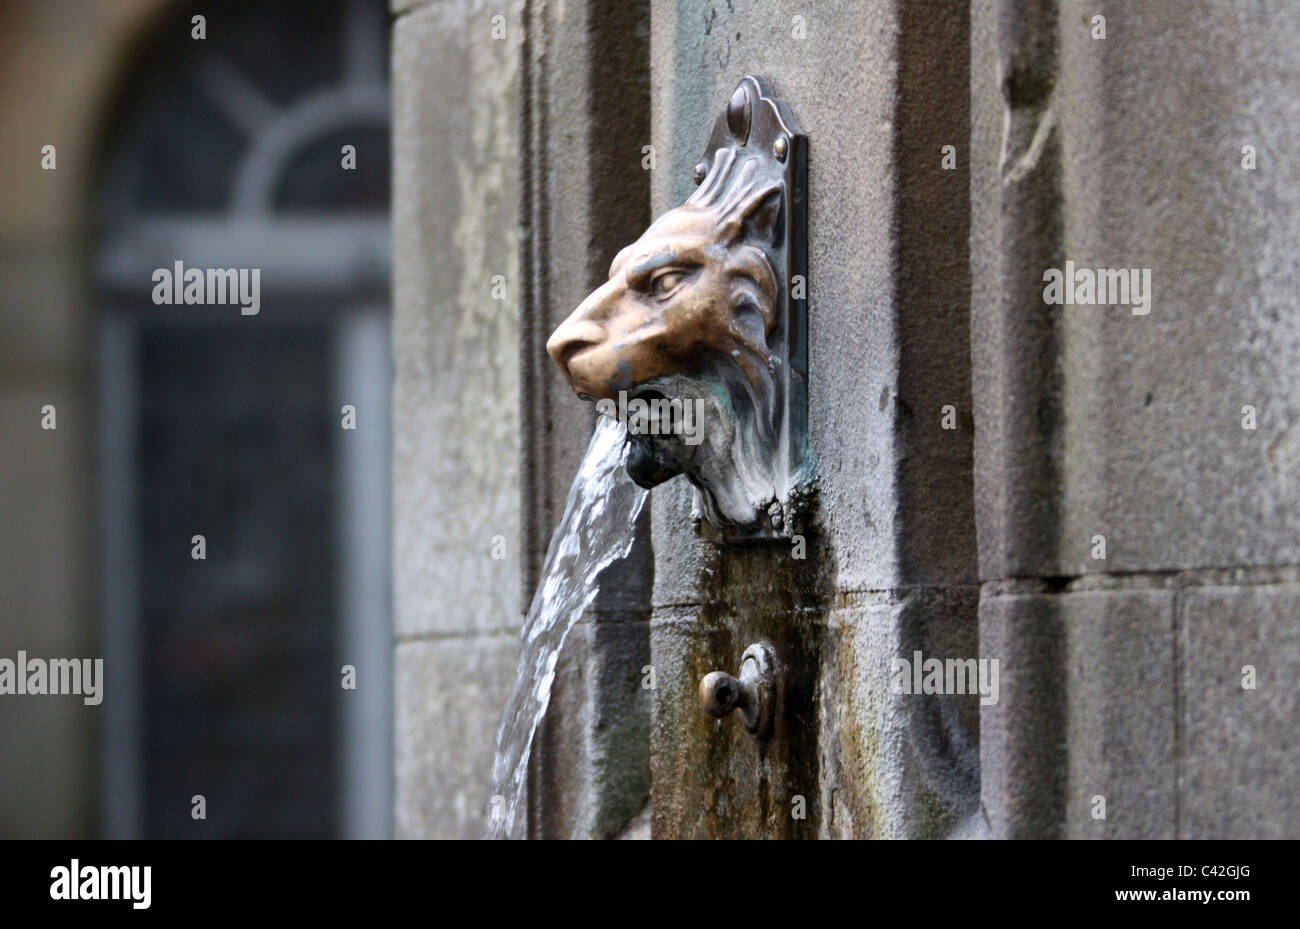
x=576 y=335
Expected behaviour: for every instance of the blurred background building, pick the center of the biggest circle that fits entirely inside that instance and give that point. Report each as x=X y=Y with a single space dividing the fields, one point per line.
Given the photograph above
x=221 y=143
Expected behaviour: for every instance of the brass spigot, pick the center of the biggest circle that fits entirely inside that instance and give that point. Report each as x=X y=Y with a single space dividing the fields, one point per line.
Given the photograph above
x=753 y=692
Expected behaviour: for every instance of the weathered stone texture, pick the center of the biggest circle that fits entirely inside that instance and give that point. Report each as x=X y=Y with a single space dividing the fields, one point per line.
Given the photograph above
x=1081 y=743
x=456 y=347
x=1098 y=425
x=1241 y=746
x=448 y=702
x=1127 y=153
x=867 y=728
x=456 y=400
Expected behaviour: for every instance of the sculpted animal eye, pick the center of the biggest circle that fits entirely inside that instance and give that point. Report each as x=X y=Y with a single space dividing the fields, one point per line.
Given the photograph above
x=666 y=282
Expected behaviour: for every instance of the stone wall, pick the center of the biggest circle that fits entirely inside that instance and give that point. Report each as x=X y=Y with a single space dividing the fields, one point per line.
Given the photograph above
x=1124 y=673
x=1121 y=678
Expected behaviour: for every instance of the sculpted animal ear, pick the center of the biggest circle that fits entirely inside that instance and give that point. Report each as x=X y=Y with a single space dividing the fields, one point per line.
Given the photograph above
x=762 y=217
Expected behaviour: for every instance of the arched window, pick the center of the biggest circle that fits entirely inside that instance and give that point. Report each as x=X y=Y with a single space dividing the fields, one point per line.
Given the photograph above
x=263 y=149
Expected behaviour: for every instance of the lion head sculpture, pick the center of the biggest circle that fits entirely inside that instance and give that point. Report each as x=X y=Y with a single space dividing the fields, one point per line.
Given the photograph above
x=694 y=333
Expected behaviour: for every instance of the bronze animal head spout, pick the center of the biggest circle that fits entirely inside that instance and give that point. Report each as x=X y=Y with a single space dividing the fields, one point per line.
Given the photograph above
x=698 y=339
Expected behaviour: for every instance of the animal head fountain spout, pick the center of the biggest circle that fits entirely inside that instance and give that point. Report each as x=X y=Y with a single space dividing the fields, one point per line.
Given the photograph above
x=698 y=340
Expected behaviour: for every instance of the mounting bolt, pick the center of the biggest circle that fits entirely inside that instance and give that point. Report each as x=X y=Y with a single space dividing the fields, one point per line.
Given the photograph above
x=752 y=693
x=739 y=110
x=780 y=147
x=701 y=171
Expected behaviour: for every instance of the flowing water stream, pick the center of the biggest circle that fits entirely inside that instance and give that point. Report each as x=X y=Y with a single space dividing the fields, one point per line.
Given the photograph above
x=596 y=530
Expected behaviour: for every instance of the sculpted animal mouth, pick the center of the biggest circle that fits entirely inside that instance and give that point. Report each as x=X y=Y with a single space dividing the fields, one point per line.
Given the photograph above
x=647 y=464
x=645 y=393
x=663 y=437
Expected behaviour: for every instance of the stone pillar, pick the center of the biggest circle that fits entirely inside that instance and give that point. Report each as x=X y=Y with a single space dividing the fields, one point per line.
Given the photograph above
x=880 y=88
x=455 y=407
x=1135 y=466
